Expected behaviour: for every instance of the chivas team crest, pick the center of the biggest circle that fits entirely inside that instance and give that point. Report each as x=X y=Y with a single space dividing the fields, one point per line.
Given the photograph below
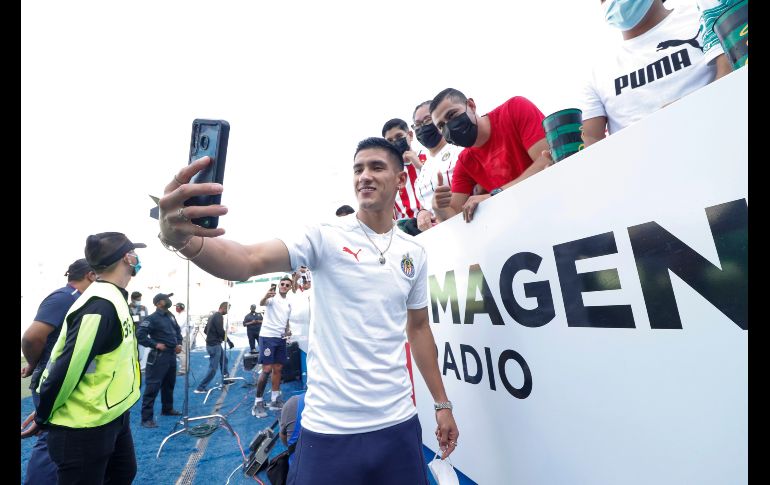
x=407 y=265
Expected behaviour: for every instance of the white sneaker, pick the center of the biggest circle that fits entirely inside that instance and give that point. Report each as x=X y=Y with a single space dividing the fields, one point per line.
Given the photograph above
x=258 y=410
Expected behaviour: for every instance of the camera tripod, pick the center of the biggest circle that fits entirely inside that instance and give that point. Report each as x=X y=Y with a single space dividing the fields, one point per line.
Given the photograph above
x=185 y=421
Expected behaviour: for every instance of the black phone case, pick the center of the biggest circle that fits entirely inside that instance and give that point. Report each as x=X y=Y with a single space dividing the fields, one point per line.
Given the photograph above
x=209 y=137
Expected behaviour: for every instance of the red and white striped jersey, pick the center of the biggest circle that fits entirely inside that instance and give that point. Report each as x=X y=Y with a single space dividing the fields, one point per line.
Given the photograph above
x=407 y=204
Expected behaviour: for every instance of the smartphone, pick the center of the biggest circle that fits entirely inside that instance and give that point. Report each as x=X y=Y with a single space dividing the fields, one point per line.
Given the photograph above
x=209 y=137
x=273 y=286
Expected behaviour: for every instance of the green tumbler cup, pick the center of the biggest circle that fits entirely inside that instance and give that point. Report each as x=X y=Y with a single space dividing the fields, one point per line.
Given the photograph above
x=562 y=131
x=732 y=28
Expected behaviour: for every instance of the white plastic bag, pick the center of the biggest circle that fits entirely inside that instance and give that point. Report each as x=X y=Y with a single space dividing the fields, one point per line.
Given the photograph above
x=443 y=471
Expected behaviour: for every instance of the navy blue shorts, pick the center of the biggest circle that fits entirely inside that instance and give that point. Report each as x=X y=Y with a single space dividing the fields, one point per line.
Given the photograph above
x=272 y=350
x=384 y=457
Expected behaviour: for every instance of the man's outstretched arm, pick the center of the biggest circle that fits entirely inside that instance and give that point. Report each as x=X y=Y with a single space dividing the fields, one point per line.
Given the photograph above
x=223 y=258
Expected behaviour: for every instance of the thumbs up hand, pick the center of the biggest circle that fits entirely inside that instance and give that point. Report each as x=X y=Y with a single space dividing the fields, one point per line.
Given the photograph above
x=442 y=195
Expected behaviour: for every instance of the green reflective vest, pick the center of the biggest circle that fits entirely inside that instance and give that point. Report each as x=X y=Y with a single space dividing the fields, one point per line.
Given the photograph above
x=111 y=384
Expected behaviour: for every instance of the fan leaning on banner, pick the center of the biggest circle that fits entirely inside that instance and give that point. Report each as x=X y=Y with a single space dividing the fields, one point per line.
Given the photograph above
x=660 y=60
x=357 y=343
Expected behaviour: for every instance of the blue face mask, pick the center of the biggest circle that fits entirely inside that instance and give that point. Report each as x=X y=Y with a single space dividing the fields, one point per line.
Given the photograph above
x=626 y=14
x=136 y=266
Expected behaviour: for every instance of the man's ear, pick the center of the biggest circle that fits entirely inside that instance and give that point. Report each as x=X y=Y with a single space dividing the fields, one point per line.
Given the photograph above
x=401 y=179
x=472 y=104
x=410 y=136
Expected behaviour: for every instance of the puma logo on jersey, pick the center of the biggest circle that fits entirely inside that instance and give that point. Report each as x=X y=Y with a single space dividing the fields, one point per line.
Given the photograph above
x=657 y=70
x=676 y=42
x=355 y=255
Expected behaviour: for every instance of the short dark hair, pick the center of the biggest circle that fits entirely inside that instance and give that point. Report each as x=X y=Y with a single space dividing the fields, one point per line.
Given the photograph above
x=394 y=123
x=447 y=93
x=344 y=210
x=78 y=270
x=420 y=106
x=374 y=142
x=224 y=304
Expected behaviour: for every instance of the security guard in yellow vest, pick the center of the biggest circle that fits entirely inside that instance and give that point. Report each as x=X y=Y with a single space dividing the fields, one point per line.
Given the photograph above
x=93 y=378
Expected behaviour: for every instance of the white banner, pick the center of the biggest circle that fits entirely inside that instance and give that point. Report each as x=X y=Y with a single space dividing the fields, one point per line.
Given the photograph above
x=592 y=321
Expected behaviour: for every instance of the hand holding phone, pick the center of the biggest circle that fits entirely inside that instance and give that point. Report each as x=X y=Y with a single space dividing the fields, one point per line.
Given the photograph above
x=209 y=138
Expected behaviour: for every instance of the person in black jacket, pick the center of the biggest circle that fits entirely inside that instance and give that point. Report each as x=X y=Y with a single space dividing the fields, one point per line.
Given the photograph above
x=215 y=335
x=253 y=323
x=161 y=333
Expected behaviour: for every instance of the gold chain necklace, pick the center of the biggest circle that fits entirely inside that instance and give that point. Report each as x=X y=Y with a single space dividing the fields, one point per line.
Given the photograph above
x=382 y=253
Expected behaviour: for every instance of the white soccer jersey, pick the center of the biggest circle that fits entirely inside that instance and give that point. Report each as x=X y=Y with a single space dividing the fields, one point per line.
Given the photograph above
x=427 y=181
x=357 y=375
x=277 y=315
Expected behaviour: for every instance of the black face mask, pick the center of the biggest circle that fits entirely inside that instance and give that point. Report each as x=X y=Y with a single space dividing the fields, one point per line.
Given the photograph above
x=428 y=135
x=461 y=131
x=402 y=145
x=167 y=304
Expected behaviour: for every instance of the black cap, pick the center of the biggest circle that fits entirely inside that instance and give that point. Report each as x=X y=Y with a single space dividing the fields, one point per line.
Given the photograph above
x=105 y=248
x=180 y=305
x=78 y=270
x=253 y=307
x=161 y=296
x=135 y=295
x=344 y=210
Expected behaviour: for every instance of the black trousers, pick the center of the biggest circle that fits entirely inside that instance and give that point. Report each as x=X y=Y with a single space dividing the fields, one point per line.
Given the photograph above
x=253 y=336
x=86 y=456
x=160 y=372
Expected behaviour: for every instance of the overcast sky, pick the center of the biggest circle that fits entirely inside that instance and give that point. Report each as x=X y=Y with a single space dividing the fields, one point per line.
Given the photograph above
x=110 y=89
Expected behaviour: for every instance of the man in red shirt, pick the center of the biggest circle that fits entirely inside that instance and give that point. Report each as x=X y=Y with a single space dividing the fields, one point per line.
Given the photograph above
x=503 y=148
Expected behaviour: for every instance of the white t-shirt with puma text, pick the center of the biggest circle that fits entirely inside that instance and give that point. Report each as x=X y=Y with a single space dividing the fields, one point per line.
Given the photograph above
x=356 y=365
x=647 y=72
